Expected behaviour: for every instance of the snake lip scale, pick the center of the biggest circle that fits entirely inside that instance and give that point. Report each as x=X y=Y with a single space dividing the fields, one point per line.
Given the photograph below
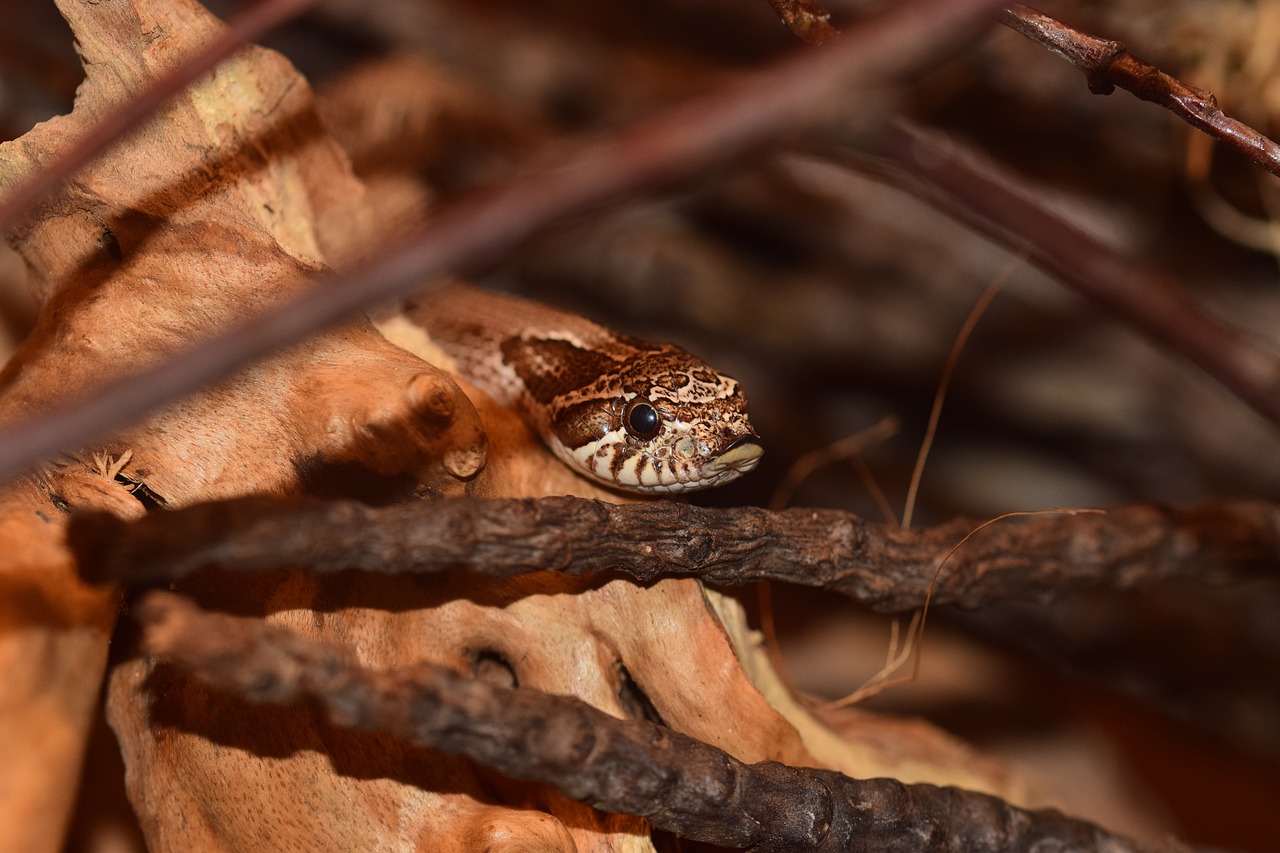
x=634 y=415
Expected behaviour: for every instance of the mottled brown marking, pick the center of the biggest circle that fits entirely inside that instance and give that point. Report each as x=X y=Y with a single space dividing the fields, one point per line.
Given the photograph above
x=580 y=424
x=706 y=376
x=621 y=454
x=550 y=368
x=638 y=344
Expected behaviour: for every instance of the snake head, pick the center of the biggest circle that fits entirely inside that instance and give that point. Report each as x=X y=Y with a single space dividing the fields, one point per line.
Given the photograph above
x=630 y=414
x=658 y=422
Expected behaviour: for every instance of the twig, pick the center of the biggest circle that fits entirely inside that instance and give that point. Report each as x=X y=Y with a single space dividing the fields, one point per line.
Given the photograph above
x=849 y=447
x=807 y=20
x=765 y=106
x=957 y=181
x=246 y=27
x=633 y=767
x=1107 y=64
x=944 y=382
x=879 y=565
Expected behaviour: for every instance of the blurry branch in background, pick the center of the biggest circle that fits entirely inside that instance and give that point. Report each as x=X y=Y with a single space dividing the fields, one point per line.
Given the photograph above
x=960 y=182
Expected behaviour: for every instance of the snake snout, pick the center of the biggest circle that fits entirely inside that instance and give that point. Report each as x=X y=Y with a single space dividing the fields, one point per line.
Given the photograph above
x=742 y=452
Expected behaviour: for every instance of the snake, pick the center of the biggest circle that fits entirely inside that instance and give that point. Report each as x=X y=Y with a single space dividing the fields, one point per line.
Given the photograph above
x=630 y=414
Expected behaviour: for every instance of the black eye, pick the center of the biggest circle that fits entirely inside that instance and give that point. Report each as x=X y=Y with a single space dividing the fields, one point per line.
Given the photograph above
x=641 y=419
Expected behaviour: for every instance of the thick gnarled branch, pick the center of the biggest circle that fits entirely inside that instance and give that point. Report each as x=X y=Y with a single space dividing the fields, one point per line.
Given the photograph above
x=879 y=565
x=635 y=767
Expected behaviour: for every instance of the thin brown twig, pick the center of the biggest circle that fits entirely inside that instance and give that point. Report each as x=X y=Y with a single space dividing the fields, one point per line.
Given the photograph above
x=958 y=181
x=243 y=28
x=782 y=101
x=879 y=565
x=636 y=767
x=849 y=447
x=1107 y=64
x=948 y=371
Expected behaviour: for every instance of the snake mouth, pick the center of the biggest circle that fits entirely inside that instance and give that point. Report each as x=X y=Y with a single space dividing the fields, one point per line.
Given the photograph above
x=742 y=453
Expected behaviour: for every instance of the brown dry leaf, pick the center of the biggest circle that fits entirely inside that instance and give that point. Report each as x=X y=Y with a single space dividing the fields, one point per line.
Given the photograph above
x=53 y=647
x=226 y=201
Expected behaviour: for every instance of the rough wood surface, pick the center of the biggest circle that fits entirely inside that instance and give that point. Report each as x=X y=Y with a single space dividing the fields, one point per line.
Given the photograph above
x=631 y=766
x=879 y=565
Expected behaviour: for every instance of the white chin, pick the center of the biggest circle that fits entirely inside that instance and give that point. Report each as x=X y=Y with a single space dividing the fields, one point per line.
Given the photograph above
x=651 y=482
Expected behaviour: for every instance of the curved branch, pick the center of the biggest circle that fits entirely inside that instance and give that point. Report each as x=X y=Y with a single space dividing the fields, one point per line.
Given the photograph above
x=680 y=784
x=880 y=565
x=1107 y=64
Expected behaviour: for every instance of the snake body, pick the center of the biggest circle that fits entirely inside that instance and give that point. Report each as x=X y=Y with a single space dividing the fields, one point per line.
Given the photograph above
x=637 y=416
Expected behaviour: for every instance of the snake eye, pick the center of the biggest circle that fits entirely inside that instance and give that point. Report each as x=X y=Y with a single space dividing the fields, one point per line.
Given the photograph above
x=641 y=419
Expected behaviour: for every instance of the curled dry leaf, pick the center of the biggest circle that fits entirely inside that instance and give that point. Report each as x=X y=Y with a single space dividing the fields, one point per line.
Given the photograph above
x=226 y=201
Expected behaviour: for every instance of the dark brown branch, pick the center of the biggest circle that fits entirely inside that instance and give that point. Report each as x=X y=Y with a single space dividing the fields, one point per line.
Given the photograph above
x=1107 y=64
x=879 y=565
x=807 y=20
x=799 y=94
x=959 y=182
x=633 y=767
x=249 y=26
